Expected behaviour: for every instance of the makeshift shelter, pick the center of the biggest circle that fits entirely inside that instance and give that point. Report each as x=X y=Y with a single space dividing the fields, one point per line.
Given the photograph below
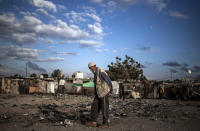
x=68 y=87
x=10 y=86
x=1 y=84
x=88 y=88
x=76 y=88
x=61 y=87
x=14 y=86
x=115 y=85
x=43 y=86
x=33 y=89
x=88 y=84
x=50 y=87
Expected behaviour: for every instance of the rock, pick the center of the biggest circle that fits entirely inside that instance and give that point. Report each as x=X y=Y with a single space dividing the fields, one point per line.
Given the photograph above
x=88 y=107
x=41 y=118
x=123 y=115
x=68 y=122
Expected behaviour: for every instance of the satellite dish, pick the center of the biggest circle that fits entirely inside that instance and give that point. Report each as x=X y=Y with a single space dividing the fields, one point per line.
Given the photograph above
x=189 y=71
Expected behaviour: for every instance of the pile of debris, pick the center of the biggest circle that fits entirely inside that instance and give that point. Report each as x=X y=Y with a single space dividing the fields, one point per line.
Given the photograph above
x=76 y=109
x=65 y=115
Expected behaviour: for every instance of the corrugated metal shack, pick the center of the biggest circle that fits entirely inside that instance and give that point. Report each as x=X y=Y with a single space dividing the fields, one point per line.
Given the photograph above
x=131 y=89
x=88 y=88
x=10 y=86
x=27 y=85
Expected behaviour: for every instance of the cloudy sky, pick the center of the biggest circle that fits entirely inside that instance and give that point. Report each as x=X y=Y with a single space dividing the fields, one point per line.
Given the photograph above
x=163 y=35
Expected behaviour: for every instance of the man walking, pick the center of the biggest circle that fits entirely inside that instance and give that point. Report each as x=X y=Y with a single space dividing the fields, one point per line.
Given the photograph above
x=103 y=86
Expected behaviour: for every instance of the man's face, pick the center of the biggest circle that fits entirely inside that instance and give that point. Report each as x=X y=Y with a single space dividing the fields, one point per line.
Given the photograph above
x=92 y=69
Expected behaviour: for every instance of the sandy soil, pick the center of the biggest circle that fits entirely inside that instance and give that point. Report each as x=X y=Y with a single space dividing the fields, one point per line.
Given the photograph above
x=69 y=112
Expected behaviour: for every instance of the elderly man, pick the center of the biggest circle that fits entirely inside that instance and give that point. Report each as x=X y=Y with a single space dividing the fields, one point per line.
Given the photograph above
x=103 y=87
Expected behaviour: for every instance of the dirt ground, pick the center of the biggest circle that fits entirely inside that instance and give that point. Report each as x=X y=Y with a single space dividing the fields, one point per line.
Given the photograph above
x=70 y=112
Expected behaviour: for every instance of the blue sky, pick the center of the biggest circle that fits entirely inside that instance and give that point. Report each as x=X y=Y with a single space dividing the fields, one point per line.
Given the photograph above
x=163 y=35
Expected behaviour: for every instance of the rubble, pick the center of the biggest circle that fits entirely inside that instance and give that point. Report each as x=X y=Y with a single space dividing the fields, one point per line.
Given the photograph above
x=70 y=110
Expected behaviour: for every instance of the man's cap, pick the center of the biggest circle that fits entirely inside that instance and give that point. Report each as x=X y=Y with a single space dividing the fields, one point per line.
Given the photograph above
x=91 y=64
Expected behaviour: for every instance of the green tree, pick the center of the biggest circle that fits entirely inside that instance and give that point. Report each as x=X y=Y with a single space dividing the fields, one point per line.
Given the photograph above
x=128 y=69
x=17 y=76
x=33 y=75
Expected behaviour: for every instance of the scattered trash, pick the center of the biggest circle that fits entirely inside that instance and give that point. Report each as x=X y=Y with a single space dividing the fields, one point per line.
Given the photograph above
x=68 y=110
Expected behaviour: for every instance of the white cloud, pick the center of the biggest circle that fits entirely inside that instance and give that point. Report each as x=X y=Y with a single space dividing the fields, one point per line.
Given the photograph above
x=125 y=49
x=114 y=51
x=51 y=59
x=177 y=14
x=44 y=4
x=24 y=54
x=11 y=30
x=31 y=20
x=87 y=16
x=74 y=27
x=65 y=53
x=28 y=13
x=90 y=43
x=61 y=30
x=18 y=53
x=76 y=17
x=62 y=7
x=127 y=2
x=94 y=17
x=7 y=19
x=89 y=9
x=23 y=38
x=110 y=6
x=159 y=4
x=45 y=13
x=97 y=1
x=101 y=50
x=30 y=28
x=96 y=28
x=47 y=40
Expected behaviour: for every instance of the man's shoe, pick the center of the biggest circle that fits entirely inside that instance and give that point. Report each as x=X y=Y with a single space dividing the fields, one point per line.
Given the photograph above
x=104 y=126
x=92 y=124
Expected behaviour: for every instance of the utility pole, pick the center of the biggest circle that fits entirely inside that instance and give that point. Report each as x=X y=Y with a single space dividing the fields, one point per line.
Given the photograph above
x=171 y=75
x=26 y=69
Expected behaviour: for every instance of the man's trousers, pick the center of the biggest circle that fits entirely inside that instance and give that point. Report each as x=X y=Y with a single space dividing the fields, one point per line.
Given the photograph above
x=100 y=104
